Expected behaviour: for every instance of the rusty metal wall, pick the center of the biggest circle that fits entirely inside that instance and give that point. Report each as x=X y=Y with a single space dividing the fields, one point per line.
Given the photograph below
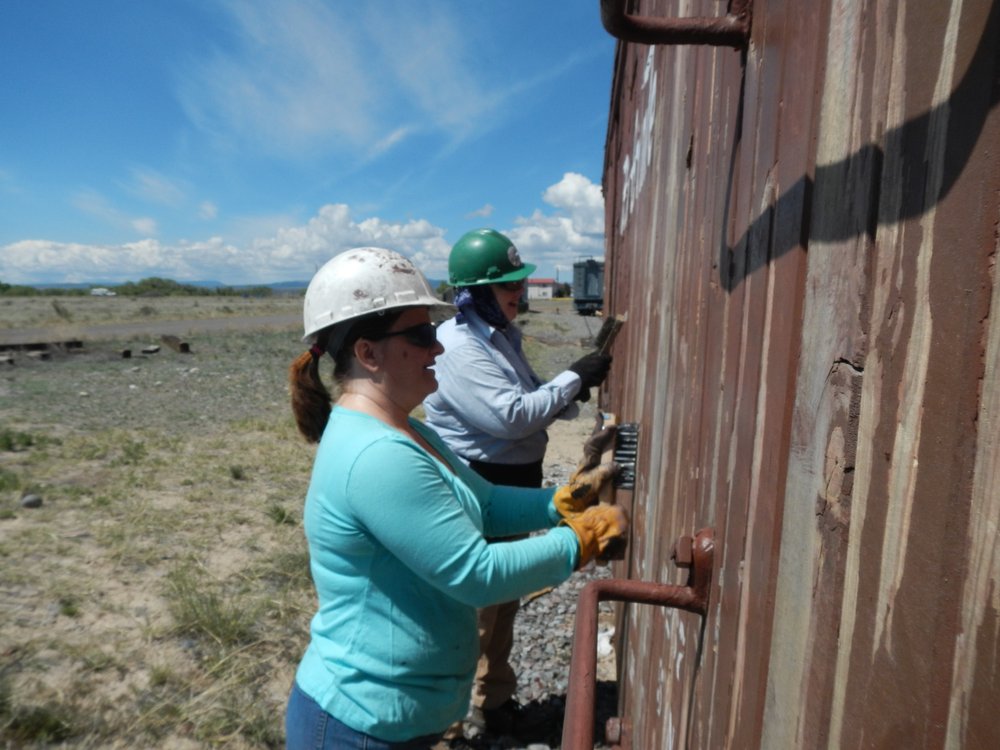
x=803 y=236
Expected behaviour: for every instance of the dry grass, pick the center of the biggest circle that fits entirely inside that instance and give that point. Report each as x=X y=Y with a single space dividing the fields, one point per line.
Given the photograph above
x=46 y=311
x=160 y=596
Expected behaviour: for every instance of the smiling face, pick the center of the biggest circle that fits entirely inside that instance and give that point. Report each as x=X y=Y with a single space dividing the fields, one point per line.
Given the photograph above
x=508 y=297
x=407 y=365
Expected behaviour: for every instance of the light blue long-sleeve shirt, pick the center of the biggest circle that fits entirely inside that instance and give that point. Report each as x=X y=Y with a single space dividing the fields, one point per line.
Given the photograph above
x=400 y=563
x=490 y=405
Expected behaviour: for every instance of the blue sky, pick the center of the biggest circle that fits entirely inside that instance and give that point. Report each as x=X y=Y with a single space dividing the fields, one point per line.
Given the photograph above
x=248 y=141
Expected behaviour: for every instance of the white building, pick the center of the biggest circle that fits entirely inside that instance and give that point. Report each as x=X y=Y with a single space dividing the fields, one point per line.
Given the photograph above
x=541 y=288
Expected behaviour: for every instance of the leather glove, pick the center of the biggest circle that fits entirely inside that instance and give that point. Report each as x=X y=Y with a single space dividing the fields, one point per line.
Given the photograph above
x=601 y=438
x=596 y=529
x=592 y=369
x=582 y=491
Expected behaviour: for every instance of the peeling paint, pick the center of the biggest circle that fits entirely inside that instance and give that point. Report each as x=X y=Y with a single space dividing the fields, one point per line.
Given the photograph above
x=636 y=165
x=980 y=616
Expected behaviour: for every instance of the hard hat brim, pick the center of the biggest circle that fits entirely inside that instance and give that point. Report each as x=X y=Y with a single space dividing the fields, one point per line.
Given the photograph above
x=439 y=312
x=518 y=274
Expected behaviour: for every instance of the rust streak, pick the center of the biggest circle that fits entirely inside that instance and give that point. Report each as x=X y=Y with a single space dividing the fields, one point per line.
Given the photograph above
x=980 y=616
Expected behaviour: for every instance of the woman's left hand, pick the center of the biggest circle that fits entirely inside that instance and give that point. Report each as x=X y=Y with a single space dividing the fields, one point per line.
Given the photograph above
x=583 y=489
x=601 y=439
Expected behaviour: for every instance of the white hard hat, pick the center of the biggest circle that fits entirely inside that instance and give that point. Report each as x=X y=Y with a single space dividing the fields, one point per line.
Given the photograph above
x=366 y=280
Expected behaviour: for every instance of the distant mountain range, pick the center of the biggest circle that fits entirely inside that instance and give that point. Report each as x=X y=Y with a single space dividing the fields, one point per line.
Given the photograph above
x=207 y=284
x=279 y=286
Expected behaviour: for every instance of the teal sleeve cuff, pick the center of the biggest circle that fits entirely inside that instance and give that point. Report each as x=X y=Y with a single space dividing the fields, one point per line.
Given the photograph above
x=572 y=544
x=554 y=515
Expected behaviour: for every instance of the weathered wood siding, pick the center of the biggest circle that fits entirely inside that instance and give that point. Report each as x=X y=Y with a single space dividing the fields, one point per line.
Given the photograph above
x=804 y=238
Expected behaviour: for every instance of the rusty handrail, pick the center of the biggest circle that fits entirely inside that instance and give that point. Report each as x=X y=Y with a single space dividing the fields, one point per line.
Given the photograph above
x=578 y=723
x=731 y=30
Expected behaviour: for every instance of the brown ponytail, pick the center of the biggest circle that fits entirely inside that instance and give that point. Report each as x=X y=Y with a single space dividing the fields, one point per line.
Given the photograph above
x=310 y=398
x=311 y=401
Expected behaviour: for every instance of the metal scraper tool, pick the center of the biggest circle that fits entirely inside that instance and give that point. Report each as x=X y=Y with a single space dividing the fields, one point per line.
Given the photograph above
x=625 y=453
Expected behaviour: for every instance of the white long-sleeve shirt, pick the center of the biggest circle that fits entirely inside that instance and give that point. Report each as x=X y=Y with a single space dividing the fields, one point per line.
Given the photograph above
x=490 y=405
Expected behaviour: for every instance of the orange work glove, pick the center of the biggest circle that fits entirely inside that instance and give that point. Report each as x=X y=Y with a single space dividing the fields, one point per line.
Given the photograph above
x=596 y=528
x=601 y=439
x=583 y=488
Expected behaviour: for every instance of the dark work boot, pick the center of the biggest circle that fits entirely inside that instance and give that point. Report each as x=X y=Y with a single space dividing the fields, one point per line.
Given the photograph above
x=510 y=719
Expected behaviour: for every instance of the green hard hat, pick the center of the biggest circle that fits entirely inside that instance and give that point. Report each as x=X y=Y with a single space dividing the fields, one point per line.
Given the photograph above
x=484 y=256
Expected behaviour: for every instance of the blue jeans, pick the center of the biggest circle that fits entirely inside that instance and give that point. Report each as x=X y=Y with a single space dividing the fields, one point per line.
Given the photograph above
x=309 y=727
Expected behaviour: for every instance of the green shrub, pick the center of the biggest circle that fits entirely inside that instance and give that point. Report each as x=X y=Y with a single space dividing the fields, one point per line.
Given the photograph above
x=69 y=606
x=8 y=480
x=12 y=440
x=133 y=451
x=280 y=515
x=21 y=725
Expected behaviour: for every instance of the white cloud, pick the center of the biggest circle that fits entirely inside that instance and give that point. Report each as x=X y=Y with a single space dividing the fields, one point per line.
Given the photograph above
x=144 y=225
x=296 y=79
x=333 y=230
x=95 y=204
x=581 y=198
x=292 y=253
x=485 y=212
x=155 y=187
x=386 y=144
x=425 y=52
x=305 y=77
x=37 y=261
x=207 y=210
x=574 y=231
x=280 y=250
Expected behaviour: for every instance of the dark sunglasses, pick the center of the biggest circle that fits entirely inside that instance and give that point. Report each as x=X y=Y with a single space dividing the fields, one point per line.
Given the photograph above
x=512 y=286
x=423 y=335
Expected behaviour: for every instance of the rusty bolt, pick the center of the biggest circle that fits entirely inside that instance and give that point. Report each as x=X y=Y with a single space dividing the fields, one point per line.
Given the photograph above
x=683 y=554
x=613 y=730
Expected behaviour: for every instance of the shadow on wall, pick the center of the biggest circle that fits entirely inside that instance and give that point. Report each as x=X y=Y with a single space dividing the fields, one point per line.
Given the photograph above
x=859 y=176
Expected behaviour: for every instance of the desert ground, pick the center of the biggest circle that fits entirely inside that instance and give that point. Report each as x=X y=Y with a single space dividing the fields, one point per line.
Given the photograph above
x=154 y=586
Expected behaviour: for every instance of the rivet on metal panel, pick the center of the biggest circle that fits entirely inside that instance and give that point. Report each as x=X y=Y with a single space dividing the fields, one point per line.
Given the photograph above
x=731 y=30
x=616 y=729
x=613 y=730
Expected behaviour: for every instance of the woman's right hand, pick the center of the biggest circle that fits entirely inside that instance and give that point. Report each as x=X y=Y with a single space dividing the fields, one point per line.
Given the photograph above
x=592 y=369
x=596 y=528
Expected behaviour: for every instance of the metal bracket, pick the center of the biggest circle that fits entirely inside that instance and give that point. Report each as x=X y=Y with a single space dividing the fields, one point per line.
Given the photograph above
x=578 y=723
x=731 y=30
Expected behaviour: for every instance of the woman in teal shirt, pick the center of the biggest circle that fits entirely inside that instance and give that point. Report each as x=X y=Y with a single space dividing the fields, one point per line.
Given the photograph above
x=397 y=524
